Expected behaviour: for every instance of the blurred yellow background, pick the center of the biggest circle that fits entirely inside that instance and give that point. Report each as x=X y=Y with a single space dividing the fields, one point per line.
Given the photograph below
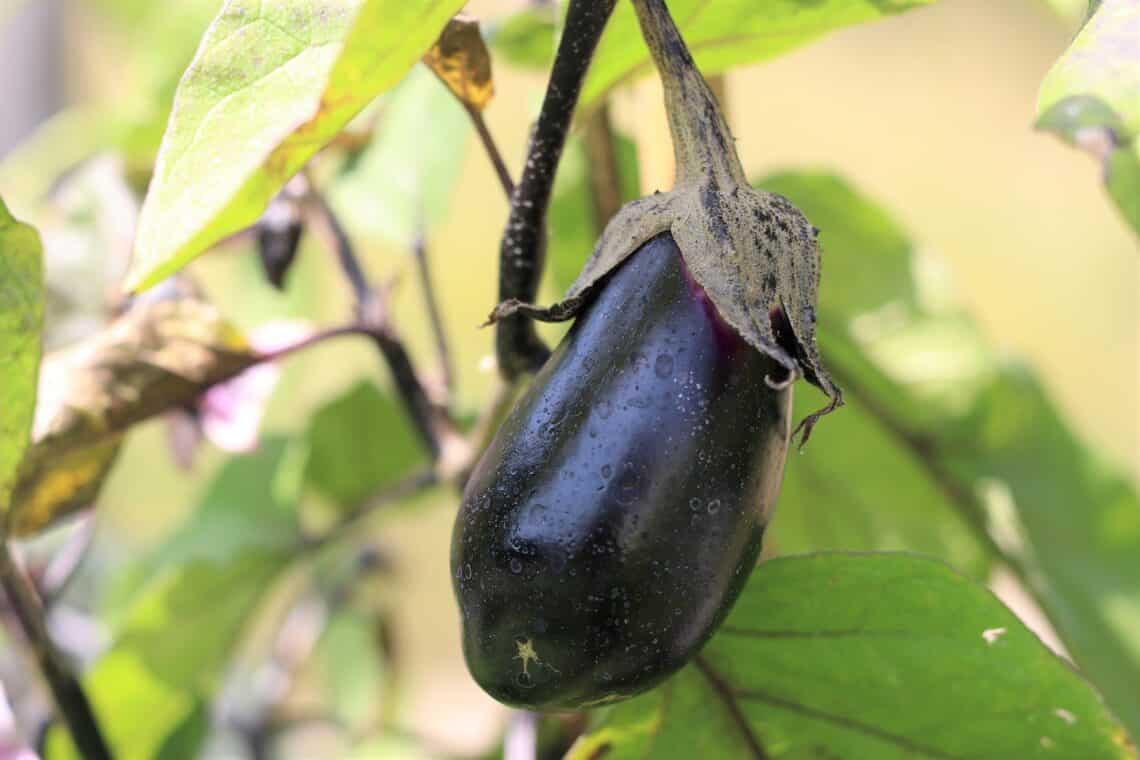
x=929 y=113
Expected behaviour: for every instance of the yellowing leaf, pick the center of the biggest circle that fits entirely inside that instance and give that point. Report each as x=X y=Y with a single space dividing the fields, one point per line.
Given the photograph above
x=460 y=58
x=158 y=356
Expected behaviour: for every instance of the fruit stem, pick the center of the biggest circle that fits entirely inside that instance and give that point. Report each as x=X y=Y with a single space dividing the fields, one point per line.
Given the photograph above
x=702 y=142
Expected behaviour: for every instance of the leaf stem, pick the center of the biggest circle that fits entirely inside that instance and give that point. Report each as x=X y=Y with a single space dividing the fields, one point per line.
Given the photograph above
x=522 y=251
x=604 y=170
x=491 y=148
x=70 y=699
x=431 y=421
x=431 y=304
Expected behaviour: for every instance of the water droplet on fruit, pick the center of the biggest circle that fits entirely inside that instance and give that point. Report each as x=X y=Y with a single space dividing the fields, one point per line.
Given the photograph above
x=695 y=504
x=663 y=367
x=714 y=506
x=516 y=565
x=607 y=471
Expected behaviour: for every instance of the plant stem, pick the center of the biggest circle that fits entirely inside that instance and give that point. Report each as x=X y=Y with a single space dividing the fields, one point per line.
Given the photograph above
x=70 y=700
x=431 y=303
x=604 y=170
x=342 y=247
x=521 y=253
x=430 y=421
x=491 y=148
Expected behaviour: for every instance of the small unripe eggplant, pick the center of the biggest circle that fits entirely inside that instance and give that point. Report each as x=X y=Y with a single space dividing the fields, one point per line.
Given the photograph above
x=619 y=510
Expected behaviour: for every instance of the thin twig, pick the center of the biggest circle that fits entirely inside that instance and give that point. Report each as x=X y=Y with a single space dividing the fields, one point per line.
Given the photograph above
x=430 y=420
x=402 y=489
x=491 y=148
x=604 y=169
x=342 y=247
x=431 y=303
x=521 y=253
x=70 y=699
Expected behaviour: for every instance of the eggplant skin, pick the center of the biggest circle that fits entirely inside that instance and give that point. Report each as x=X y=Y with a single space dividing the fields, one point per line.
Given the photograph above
x=619 y=510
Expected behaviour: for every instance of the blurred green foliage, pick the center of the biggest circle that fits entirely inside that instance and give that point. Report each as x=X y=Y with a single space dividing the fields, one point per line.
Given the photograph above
x=945 y=449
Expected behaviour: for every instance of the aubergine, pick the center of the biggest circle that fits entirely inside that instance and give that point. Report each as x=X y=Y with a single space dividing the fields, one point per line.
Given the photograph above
x=619 y=510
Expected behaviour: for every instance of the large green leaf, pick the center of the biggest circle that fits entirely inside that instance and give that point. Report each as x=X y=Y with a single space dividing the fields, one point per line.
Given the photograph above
x=21 y=312
x=271 y=84
x=983 y=430
x=728 y=33
x=883 y=656
x=1091 y=98
x=406 y=175
x=358 y=443
x=855 y=488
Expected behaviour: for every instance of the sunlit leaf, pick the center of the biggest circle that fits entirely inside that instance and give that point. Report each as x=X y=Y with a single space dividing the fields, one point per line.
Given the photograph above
x=461 y=60
x=728 y=33
x=883 y=656
x=271 y=84
x=358 y=443
x=121 y=690
x=1091 y=99
x=21 y=312
x=406 y=175
x=984 y=432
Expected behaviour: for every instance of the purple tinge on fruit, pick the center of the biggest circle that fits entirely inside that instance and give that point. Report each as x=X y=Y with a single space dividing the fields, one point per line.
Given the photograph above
x=617 y=514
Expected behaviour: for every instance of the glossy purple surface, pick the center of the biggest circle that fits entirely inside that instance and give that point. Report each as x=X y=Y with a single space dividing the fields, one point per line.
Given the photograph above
x=619 y=510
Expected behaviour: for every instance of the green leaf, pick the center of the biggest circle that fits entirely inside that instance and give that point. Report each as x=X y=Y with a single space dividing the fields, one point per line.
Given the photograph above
x=526 y=38
x=728 y=33
x=855 y=488
x=358 y=443
x=137 y=712
x=878 y=656
x=21 y=314
x=202 y=585
x=271 y=84
x=1091 y=98
x=407 y=174
x=572 y=224
x=983 y=430
x=352 y=666
x=248 y=506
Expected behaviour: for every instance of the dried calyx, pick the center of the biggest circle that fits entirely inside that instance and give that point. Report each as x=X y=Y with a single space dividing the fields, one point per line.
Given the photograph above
x=755 y=254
